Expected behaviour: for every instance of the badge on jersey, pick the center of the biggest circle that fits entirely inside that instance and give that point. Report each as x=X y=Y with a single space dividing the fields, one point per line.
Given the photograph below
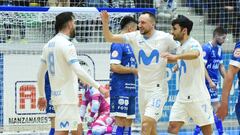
x=114 y=54
x=237 y=53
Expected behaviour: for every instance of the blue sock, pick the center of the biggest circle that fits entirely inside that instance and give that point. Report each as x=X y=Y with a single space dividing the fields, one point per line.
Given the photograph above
x=117 y=130
x=127 y=131
x=218 y=123
x=197 y=130
x=52 y=131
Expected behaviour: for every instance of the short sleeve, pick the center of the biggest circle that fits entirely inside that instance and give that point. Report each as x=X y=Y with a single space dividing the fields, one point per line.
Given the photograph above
x=116 y=53
x=235 y=60
x=206 y=52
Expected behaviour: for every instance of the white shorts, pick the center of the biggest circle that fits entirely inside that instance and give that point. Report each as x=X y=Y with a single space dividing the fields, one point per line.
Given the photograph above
x=201 y=112
x=67 y=117
x=151 y=103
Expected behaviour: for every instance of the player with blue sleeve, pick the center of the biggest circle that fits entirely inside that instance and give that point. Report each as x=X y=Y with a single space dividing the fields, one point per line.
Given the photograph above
x=214 y=63
x=122 y=84
x=49 y=109
x=234 y=66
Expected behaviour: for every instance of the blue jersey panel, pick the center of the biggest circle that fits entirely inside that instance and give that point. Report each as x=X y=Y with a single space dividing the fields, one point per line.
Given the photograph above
x=50 y=108
x=122 y=84
x=236 y=53
x=213 y=58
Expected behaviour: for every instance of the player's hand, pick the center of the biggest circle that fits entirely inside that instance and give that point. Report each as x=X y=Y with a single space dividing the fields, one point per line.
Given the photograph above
x=212 y=85
x=175 y=68
x=104 y=91
x=105 y=17
x=169 y=56
x=134 y=71
x=42 y=103
x=222 y=111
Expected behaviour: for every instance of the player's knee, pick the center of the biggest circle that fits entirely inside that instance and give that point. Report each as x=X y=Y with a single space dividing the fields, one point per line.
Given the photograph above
x=120 y=121
x=128 y=122
x=172 y=128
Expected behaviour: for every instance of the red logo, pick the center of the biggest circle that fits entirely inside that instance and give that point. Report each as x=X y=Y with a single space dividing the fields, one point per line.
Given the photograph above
x=26 y=97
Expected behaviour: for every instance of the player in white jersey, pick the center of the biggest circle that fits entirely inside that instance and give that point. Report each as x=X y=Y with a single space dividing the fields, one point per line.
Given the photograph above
x=193 y=99
x=147 y=44
x=59 y=57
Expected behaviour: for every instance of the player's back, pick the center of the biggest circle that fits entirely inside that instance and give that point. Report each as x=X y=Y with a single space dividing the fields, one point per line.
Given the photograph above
x=151 y=67
x=59 y=52
x=192 y=74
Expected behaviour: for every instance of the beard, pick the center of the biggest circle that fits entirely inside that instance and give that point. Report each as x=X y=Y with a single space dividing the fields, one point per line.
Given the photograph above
x=219 y=43
x=73 y=33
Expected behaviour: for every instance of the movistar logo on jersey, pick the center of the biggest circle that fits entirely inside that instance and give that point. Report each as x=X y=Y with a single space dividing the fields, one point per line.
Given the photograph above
x=142 y=57
x=64 y=124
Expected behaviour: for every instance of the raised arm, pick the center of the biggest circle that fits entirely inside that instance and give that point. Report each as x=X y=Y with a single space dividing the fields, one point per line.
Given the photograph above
x=109 y=37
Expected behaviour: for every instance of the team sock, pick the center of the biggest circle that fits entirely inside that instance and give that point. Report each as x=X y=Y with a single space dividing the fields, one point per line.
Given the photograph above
x=197 y=130
x=117 y=130
x=127 y=131
x=52 y=131
x=218 y=123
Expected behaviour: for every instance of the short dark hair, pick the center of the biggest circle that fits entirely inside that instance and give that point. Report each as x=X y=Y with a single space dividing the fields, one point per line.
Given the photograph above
x=126 y=20
x=183 y=22
x=152 y=16
x=219 y=31
x=62 y=19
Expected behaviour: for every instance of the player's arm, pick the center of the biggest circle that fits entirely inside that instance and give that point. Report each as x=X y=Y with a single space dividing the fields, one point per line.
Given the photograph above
x=227 y=84
x=109 y=37
x=185 y=56
x=42 y=103
x=120 y=69
x=208 y=78
x=222 y=70
x=194 y=54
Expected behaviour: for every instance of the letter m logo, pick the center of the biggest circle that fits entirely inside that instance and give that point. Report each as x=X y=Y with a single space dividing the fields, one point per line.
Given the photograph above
x=142 y=57
x=64 y=124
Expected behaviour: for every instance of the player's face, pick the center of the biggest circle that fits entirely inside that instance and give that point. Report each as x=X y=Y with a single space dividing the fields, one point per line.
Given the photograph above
x=72 y=29
x=177 y=32
x=145 y=24
x=220 y=39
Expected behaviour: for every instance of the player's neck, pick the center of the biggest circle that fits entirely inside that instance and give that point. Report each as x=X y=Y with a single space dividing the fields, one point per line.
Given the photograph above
x=149 y=34
x=214 y=43
x=185 y=38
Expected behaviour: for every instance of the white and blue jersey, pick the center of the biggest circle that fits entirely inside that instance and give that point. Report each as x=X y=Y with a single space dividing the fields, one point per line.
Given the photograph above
x=122 y=84
x=235 y=60
x=212 y=58
x=50 y=109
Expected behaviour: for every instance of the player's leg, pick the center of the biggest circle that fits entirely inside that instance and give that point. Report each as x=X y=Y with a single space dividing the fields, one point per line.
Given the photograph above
x=153 y=111
x=130 y=115
x=117 y=110
x=197 y=130
x=218 y=122
x=178 y=116
x=207 y=129
x=201 y=113
x=67 y=119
